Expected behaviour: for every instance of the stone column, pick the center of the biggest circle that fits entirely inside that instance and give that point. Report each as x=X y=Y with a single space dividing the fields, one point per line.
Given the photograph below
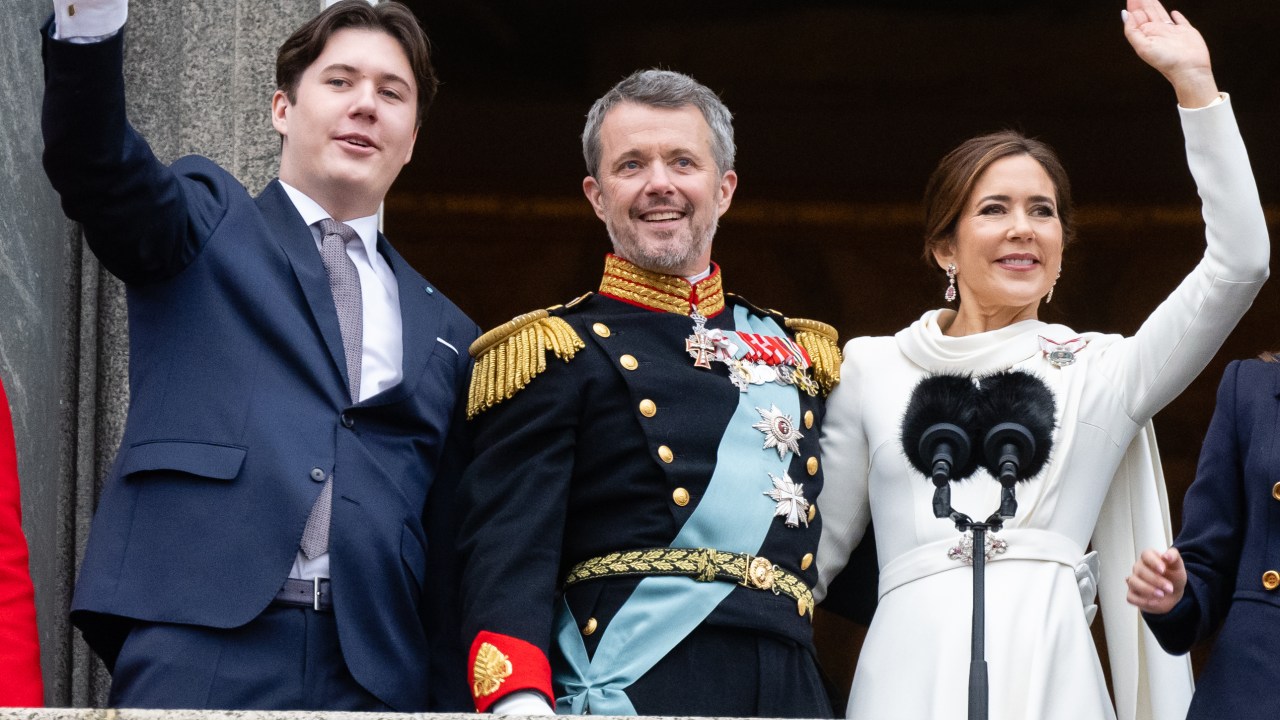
x=200 y=77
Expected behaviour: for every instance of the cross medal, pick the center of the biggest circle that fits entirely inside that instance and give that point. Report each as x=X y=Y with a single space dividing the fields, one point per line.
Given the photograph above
x=698 y=345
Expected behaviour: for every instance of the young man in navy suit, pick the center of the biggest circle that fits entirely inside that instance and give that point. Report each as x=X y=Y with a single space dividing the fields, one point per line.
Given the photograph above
x=276 y=530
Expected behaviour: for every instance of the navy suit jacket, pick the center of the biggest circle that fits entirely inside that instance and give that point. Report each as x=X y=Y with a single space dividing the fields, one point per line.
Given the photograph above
x=239 y=409
x=1230 y=540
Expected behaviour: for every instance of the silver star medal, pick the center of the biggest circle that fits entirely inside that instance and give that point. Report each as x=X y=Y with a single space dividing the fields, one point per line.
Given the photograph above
x=790 y=499
x=779 y=431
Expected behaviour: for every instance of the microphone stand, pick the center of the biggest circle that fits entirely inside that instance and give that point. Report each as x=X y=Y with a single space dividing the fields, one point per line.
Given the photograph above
x=978 y=685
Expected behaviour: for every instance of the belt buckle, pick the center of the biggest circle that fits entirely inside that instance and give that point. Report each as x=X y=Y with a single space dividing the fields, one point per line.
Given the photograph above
x=760 y=574
x=315 y=594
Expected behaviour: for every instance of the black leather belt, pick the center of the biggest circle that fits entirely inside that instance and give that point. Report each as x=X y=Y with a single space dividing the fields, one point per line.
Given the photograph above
x=315 y=594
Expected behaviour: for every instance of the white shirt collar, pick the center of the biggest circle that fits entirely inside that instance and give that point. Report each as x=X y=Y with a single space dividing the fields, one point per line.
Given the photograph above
x=311 y=212
x=695 y=279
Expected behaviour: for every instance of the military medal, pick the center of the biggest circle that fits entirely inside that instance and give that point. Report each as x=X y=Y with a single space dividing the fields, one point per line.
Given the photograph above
x=699 y=345
x=1061 y=354
x=754 y=359
x=790 y=498
x=779 y=431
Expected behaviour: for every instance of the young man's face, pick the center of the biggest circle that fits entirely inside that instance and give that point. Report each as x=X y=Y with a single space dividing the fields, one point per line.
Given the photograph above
x=352 y=124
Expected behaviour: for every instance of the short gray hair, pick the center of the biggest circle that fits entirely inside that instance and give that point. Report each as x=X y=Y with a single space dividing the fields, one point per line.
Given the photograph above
x=663 y=89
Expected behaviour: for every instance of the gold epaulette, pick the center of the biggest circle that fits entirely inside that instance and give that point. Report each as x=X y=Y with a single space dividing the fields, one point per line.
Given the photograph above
x=512 y=354
x=821 y=341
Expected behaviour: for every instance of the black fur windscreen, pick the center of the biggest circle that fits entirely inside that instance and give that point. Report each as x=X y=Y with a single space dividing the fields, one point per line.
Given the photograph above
x=941 y=399
x=1018 y=396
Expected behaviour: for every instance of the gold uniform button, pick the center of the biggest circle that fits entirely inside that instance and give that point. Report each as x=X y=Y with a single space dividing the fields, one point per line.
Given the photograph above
x=813 y=510
x=665 y=453
x=590 y=627
x=1275 y=491
x=680 y=497
x=648 y=408
x=812 y=466
x=808 y=419
x=601 y=329
x=807 y=560
x=629 y=362
x=1271 y=579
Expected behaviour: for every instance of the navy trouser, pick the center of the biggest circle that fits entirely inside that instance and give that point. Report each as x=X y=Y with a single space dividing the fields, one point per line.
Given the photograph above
x=730 y=672
x=285 y=659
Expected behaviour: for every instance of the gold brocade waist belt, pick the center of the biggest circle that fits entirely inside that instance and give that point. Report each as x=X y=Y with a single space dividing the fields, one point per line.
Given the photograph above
x=701 y=564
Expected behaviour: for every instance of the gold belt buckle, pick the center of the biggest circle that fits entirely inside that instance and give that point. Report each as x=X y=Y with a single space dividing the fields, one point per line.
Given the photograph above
x=760 y=574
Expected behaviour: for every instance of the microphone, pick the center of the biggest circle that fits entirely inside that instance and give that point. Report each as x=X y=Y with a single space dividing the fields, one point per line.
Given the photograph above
x=941 y=419
x=1018 y=410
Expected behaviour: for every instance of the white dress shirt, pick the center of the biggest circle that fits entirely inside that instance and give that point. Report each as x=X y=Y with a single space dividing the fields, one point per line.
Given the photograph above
x=382 y=360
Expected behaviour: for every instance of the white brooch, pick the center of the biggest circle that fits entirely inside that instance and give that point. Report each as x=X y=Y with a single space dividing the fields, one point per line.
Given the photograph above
x=963 y=550
x=779 y=431
x=790 y=499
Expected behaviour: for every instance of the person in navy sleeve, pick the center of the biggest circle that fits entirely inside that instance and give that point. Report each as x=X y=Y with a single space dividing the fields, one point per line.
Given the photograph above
x=275 y=532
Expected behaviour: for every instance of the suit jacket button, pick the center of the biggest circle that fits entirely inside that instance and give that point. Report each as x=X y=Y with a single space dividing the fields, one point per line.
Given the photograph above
x=665 y=453
x=806 y=561
x=629 y=362
x=648 y=408
x=317 y=474
x=813 y=510
x=1271 y=579
x=808 y=419
x=348 y=422
x=1275 y=491
x=680 y=497
x=811 y=465
x=590 y=627
x=601 y=329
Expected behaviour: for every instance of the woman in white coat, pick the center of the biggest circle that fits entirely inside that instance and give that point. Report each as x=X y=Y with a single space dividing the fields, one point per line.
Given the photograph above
x=998 y=216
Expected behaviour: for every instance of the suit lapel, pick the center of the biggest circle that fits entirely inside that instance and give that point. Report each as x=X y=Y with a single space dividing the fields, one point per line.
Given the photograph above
x=295 y=238
x=420 y=320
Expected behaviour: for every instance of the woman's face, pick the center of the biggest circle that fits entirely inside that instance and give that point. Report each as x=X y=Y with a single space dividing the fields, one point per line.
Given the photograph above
x=1008 y=243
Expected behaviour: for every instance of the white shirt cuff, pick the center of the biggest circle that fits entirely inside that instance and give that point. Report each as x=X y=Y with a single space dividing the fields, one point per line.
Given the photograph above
x=522 y=702
x=88 y=20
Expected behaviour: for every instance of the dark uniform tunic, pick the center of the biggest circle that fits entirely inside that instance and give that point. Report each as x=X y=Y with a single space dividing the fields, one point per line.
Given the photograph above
x=612 y=450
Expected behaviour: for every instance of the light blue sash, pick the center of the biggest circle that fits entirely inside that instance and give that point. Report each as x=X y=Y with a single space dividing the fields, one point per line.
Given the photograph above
x=733 y=515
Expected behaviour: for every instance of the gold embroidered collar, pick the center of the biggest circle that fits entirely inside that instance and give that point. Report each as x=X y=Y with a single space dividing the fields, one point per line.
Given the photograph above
x=632 y=284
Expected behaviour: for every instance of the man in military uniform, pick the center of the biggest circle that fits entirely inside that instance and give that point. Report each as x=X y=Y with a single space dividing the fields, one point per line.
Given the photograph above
x=640 y=520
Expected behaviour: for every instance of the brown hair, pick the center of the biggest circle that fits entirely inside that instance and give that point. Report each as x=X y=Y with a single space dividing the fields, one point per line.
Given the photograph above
x=307 y=42
x=952 y=183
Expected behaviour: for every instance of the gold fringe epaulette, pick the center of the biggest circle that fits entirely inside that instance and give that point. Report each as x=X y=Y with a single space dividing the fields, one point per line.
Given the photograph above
x=512 y=354
x=821 y=341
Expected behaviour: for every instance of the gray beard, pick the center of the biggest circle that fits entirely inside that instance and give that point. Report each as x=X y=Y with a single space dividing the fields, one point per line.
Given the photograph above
x=670 y=263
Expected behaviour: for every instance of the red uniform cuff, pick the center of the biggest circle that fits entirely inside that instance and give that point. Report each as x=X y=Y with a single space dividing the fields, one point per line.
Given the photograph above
x=501 y=665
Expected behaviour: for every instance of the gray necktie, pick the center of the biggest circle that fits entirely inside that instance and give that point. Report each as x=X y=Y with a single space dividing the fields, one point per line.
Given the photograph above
x=344 y=283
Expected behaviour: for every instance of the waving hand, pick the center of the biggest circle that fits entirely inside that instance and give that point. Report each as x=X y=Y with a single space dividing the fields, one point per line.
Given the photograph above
x=1170 y=44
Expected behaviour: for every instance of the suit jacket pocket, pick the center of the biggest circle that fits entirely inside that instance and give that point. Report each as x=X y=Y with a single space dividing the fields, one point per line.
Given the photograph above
x=209 y=460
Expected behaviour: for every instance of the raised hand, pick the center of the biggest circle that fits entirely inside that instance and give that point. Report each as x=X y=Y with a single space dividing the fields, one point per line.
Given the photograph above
x=1158 y=581
x=1170 y=44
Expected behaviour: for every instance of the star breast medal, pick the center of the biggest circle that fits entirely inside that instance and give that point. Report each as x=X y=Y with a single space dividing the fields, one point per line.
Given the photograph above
x=779 y=431
x=791 y=503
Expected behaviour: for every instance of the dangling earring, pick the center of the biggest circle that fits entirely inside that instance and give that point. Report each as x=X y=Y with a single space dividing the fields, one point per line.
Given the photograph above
x=1049 y=298
x=950 y=294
